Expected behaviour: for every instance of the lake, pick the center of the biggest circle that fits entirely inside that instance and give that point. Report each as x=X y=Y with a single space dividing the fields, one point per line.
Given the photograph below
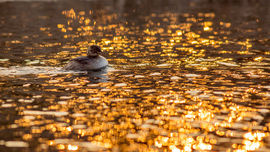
x=184 y=75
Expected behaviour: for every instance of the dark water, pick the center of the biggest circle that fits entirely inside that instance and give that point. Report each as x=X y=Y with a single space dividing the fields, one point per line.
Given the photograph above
x=183 y=76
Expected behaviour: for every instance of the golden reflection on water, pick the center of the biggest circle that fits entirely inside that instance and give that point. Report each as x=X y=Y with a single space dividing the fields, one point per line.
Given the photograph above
x=172 y=39
x=166 y=93
x=183 y=120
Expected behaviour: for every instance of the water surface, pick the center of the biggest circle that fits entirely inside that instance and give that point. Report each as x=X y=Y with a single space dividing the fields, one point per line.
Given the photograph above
x=183 y=76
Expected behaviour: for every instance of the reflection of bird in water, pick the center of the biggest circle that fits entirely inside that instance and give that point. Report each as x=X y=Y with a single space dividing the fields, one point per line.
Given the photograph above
x=93 y=61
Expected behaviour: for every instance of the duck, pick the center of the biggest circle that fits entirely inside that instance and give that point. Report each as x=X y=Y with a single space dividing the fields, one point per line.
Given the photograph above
x=93 y=61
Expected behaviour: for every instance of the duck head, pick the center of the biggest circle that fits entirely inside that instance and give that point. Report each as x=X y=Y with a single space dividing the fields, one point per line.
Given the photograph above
x=93 y=51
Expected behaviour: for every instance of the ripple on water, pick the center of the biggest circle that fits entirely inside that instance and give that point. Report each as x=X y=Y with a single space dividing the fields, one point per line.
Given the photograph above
x=18 y=70
x=16 y=144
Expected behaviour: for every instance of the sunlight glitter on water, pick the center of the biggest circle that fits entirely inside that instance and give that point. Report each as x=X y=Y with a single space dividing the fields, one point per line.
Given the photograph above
x=182 y=77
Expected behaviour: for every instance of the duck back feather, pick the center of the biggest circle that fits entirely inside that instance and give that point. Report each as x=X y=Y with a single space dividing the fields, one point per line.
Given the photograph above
x=85 y=63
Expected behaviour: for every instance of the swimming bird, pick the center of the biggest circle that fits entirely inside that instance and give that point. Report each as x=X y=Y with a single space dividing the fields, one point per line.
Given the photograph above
x=93 y=61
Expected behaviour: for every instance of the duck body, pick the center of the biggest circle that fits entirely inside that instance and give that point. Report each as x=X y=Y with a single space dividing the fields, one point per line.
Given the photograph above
x=93 y=61
x=86 y=63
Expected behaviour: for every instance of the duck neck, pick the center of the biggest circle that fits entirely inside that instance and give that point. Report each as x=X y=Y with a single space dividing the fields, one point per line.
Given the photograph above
x=92 y=56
